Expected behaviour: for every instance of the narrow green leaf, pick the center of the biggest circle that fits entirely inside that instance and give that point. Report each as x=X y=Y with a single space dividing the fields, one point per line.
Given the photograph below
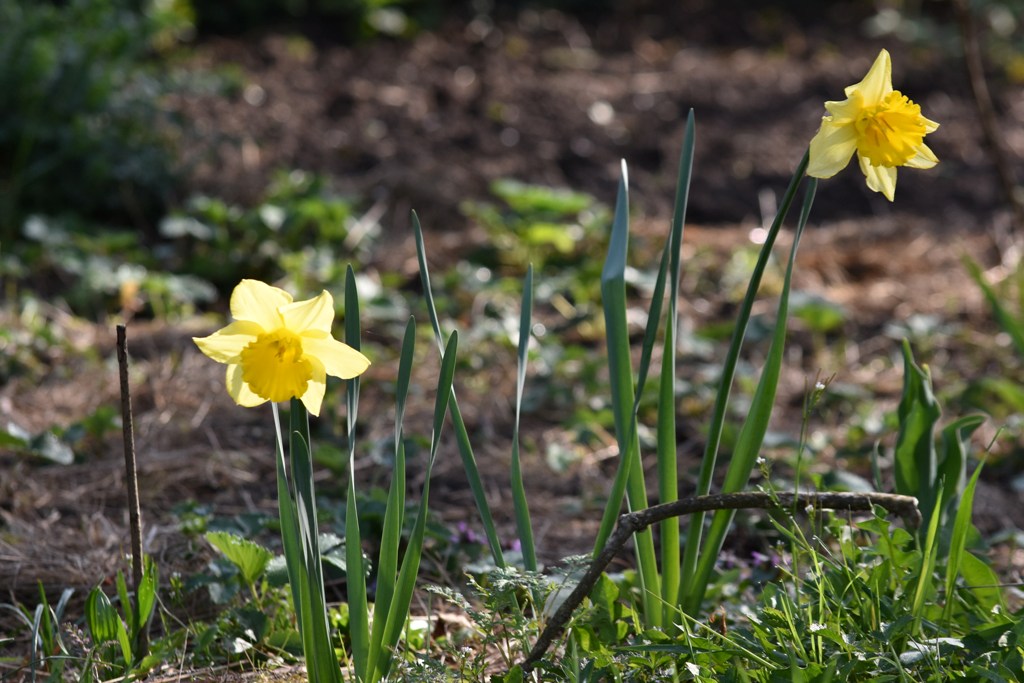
x=614 y=266
x=321 y=660
x=355 y=574
x=952 y=467
x=915 y=461
x=613 y=300
x=522 y=510
x=755 y=425
x=38 y=633
x=399 y=612
x=929 y=553
x=42 y=623
x=391 y=534
x=708 y=461
x=290 y=537
x=461 y=433
x=145 y=602
x=982 y=581
x=355 y=579
x=668 y=475
x=125 y=600
x=958 y=541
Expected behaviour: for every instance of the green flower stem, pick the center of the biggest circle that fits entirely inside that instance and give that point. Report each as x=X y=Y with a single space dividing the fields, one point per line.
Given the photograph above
x=707 y=468
x=755 y=425
x=299 y=535
x=355 y=575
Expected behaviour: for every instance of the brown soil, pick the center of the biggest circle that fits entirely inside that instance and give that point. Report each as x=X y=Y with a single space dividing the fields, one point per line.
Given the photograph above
x=543 y=98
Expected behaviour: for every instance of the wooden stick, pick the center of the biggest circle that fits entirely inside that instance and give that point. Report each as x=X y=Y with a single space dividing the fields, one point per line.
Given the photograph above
x=132 y=481
x=629 y=524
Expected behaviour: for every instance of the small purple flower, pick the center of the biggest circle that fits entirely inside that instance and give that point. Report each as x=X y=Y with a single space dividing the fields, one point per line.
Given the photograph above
x=464 y=535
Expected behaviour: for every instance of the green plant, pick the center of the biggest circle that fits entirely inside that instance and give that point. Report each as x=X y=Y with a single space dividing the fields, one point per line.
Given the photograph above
x=300 y=229
x=116 y=636
x=82 y=131
x=503 y=607
x=927 y=465
x=48 y=650
x=373 y=644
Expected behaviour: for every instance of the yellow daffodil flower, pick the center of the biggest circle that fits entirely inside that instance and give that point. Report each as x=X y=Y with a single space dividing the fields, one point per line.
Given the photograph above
x=880 y=124
x=277 y=349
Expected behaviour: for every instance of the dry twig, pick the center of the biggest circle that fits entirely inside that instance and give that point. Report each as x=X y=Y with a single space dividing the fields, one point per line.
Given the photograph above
x=132 y=482
x=629 y=524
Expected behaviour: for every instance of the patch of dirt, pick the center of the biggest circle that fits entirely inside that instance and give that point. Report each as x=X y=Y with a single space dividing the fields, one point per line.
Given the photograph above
x=544 y=98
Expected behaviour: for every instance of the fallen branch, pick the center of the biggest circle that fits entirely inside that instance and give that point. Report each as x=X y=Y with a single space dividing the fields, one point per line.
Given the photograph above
x=629 y=524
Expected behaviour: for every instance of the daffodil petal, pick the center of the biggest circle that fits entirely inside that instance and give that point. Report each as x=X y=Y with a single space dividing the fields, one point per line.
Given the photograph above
x=877 y=83
x=845 y=111
x=831 y=149
x=337 y=359
x=239 y=390
x=311 y=314
x=930 y=126
x=925 y=158
x=880 y=178
x=227 y=343
x=314 y=396
x=258 y=302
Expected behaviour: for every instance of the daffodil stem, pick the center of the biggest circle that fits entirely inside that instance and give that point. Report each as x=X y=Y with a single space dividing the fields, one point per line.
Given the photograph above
x=707 y=468
x=297 y=508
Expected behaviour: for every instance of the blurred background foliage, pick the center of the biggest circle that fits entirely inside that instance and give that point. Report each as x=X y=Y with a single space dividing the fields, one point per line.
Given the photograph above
x=93 y=188
x=83 y=131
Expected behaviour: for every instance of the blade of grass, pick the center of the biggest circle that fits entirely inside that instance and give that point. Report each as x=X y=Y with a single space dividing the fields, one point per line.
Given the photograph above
x=929 y=553
x=461 y=433
x=399 y=612
x=708 y=461
x=613 y=300
x=755 y=425
x=519 y=504
x=958 y=542
x=668 y=475
x=355 y=570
